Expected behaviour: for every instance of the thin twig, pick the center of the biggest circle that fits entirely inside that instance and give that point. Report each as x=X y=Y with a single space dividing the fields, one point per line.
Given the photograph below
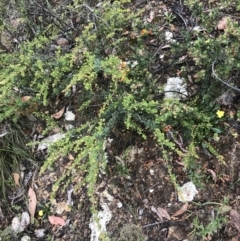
x=64 y=25
x=96 y=16
x=179 y=15
x=152 y=187
x=152 y=224
x=157 y=51
x=224 y=82
x=171 y=137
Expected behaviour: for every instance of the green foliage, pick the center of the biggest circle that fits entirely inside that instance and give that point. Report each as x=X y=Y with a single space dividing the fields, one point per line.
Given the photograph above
x=202 y=231
x=112 y=94
x=6 y=234
x=13 y=152
x=220 y=48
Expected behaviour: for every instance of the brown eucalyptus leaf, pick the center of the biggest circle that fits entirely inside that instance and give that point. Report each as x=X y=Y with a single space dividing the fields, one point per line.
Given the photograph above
x=214 y=176
x=62 y=207
x=26 y=98
x=56 y=220
x=58 y=114
x=222 y=24
x=62 y=42
x=32 y=202
x=182 y=210
x=180 y=163
x=163 y=213
x=153 y=209
x=16 y=178
x=70 y=157
x=150 y=19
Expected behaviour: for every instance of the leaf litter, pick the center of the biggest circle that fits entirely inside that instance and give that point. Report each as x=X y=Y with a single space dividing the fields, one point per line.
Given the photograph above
x=32 y=202
x=54 y=220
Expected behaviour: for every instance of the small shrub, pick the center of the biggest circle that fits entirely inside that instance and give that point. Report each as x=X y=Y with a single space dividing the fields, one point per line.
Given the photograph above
x=106 y=67
x=131 y=232
x=209 y=229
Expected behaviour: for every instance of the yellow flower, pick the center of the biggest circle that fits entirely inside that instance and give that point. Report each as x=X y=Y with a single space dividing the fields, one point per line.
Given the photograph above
x=220 y=113
x=40 y=213
x=144 y=31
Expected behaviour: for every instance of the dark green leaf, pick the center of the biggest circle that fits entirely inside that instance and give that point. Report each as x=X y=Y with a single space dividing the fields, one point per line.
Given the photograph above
x=216 y=130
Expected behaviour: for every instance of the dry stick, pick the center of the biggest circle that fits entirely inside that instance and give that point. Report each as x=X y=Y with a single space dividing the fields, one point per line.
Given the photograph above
x=181 y=18
x=96 y=16
x=224 y=82
x=152 y=224
x=157 y=51
x=233 y=158
x=64 y=25
x=171 y=137
x=152 y=186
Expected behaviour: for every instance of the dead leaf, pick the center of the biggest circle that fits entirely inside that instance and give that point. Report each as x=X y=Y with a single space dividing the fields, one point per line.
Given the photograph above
x=183 y=58
x=235 y=219
x=153 y=209
x=163 y=213
x=173 y=28
x=62 y=207
x=151 y=17
x=165 y=46
x=32 y=202
x=56 y=220
x=125 y=33
x=222 y=24
x=62 y=42
x=214 y=176
x=16 y=22
x=26 y=98
x=16 y=178
x=180 y=163
x=70 y=157
x=224 y=209
x=58 y=114
x=182 y=210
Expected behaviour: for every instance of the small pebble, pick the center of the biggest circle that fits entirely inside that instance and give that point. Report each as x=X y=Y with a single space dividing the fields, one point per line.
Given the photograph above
x=119 y=204
x=25 y=238
x=151 y=172
x=145 y=201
